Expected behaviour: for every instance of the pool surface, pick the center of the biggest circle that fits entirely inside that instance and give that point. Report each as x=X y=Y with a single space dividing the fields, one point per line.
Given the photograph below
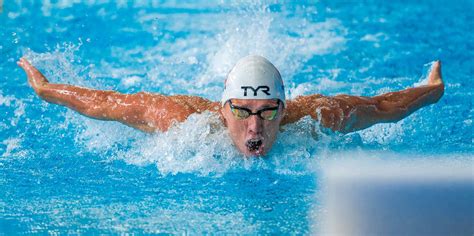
x=61 y=172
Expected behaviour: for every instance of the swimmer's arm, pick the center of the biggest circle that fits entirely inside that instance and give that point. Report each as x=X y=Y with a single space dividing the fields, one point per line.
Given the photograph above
x=144 y=111
x=346 y=114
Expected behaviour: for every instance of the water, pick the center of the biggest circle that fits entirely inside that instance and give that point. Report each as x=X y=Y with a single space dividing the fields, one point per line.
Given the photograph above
x=64 y=173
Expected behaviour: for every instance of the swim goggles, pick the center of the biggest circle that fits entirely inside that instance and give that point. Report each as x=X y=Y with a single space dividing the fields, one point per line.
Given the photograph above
x=241 y=113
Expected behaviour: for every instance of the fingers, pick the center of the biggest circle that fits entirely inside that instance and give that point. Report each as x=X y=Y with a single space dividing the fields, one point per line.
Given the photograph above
x=20 y=62
x=435 y=74
x=35 y=78
x=30 y=70
x=437 y=66
x=23 y=63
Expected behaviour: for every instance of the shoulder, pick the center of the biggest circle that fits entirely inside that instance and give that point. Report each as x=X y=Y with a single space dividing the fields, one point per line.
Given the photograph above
x=184 y=105
x=195 y=103
x=307 y=102
x=328 y=110
x=300 y=107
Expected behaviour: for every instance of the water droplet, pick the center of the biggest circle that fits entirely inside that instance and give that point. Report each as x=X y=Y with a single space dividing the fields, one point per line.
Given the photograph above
x=267 y=209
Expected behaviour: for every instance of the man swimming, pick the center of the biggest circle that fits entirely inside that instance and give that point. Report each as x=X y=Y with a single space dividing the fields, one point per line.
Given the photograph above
x=253 y=104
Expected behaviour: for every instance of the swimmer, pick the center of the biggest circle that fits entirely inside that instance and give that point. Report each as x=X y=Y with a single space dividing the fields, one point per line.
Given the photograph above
x=253 y=104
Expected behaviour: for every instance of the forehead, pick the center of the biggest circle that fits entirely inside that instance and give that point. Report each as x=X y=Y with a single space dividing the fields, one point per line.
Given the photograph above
x=254 y=102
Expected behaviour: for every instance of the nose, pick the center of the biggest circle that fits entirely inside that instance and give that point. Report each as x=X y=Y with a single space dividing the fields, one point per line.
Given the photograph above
x=255 y=125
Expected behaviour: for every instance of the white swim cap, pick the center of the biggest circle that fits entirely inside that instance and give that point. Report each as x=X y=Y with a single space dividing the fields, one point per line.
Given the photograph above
x=254 y=77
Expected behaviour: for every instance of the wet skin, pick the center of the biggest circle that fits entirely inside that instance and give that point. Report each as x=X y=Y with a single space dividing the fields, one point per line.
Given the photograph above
x=253 y=129
x=155 y=112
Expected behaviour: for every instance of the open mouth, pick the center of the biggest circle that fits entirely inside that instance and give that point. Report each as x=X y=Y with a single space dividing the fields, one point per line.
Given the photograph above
x=253 y=145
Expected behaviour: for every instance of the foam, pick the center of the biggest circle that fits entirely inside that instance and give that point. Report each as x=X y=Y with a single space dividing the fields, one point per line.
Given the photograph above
x=202 y=146
x=18 y=104
x=62 y=65
x=427 y=68
x=149 y=216
x=12 y=144
x=197 y=64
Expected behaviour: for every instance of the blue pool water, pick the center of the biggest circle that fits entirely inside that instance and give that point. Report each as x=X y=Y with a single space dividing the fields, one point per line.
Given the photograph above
x=64 y=173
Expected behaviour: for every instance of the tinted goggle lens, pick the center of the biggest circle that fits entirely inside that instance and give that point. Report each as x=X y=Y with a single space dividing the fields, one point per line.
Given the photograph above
x=269 y=114
x=242 y=113
x=239 y=113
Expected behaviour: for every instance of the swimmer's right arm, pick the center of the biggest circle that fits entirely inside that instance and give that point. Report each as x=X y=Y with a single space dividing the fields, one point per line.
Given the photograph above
x=144 y=111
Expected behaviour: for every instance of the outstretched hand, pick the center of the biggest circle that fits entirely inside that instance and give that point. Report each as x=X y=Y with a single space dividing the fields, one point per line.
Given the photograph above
x=35 y=78
x=434 y=78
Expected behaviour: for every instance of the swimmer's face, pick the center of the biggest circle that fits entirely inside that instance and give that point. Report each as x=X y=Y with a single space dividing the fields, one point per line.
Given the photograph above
x=253 y=136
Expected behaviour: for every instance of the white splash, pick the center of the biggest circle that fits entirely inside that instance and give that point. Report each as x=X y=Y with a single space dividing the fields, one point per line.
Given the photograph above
x=427 y=68
x=200 y=145
x=17 y=104
x=197 y=64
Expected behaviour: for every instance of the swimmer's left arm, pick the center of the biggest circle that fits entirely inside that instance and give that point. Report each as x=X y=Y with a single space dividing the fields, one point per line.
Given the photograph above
x=346 y=113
